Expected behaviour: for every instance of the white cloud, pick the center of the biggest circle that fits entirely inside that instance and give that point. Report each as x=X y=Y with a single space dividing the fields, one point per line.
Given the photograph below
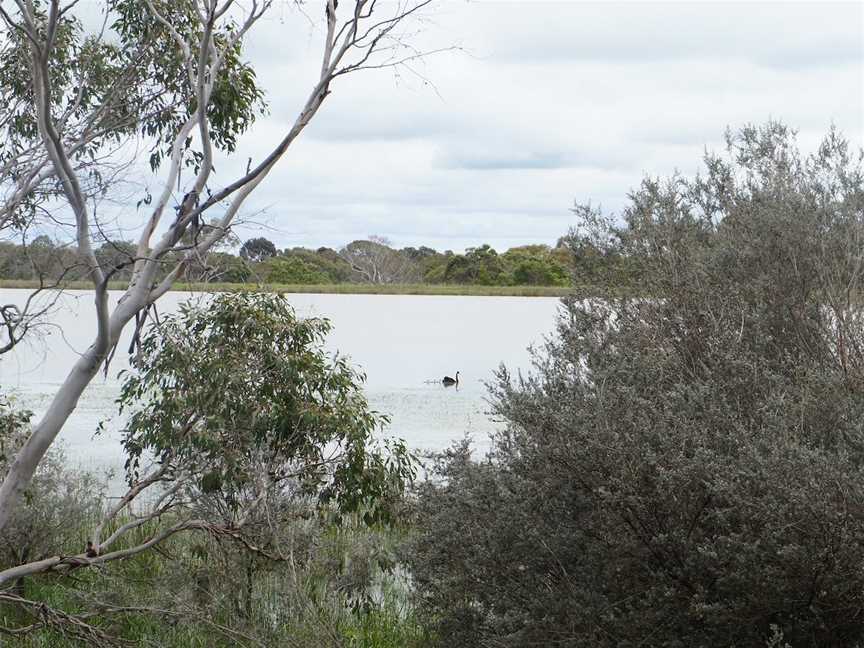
x=554 y=102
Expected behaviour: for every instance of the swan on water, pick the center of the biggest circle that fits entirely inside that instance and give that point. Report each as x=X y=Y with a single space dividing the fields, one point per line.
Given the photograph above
x=451 y=381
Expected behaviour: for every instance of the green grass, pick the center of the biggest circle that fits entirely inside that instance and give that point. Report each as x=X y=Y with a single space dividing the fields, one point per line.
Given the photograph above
x=338 y=289
x=304 y=604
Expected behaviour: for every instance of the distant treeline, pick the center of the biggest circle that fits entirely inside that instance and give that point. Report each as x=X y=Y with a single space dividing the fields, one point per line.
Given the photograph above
x=571 y=261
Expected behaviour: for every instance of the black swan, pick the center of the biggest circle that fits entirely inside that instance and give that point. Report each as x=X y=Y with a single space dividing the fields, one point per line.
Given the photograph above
x=448 y=381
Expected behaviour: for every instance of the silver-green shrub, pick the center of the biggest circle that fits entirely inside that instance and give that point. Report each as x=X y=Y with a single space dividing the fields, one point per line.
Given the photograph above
x=684 y=467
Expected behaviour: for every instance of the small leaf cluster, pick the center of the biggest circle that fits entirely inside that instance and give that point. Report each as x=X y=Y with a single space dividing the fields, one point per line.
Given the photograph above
x=241 y=385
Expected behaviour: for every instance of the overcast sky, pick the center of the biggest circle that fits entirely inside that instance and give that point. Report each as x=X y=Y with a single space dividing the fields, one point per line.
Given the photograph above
x=550 y=103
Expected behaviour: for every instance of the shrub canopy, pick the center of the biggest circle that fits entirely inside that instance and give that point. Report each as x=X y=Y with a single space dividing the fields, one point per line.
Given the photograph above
x=682 y=469
x=239 y=388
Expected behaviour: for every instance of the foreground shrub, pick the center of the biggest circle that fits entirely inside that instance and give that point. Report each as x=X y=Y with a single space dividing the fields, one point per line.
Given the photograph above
x=683 y=469
x=248 y=448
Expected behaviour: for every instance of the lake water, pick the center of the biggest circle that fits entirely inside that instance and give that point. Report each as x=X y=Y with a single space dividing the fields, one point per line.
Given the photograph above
x=404 y=343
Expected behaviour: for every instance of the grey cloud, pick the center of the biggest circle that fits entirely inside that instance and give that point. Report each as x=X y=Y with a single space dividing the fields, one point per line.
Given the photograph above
x=523 y=161
x=560 y=101
x=336 y=129
x=530 y=161
x=768 y=33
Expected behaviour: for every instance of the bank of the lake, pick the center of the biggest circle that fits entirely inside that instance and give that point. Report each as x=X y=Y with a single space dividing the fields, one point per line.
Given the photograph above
x=333 y=289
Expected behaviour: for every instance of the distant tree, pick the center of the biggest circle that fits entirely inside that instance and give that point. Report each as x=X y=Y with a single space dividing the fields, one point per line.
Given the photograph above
x=539 y=272
x=435 y=273
x=685 y=469
x=329 y=254
x=375 y=261
x=325 y=261
x=257 y=250
x=563 y=254
x=534 y=265
x=42 y=241
x=480 y=265
x=220 y=267
x=117 y=257
x=37 y=259
x=429 y=263
x=421 y=253
x=292 y=270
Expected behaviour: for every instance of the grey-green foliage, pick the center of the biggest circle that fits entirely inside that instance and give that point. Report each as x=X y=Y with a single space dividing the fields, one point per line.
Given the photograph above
x=60 y=507
x=683 y=469
x=107 y=88
x=241 y=385
x=335 y=585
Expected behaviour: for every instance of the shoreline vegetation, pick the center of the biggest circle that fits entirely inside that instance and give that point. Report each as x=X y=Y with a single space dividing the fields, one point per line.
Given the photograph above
x=460 y=290
x=364 y=267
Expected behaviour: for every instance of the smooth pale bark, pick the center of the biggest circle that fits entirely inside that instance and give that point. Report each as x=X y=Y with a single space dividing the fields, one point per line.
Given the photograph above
x=62 y=405
x=57 y=563
x=143 y=289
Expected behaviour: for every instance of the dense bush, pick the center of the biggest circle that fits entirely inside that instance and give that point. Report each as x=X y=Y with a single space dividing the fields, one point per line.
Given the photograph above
x=481 y=265
x=536 y=265
x=335 y=586
x=293 y=270
x=271 y=508
x=59 y=502
x=685 y=469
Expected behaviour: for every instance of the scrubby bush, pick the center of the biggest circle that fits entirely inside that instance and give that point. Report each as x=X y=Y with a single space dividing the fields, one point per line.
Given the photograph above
x=685 y=468
x=481 y=265
x=261 y=504
x=59 y=503
x=535 y=265
x=292 y=270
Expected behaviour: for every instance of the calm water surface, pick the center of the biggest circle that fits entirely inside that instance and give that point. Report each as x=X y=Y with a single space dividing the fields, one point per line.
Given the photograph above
x=403 y=343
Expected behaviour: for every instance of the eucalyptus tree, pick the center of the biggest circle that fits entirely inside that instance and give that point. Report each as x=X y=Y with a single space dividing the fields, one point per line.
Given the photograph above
x=257 y=249
x=172 y=72
x=375 y=261
x=240 y=426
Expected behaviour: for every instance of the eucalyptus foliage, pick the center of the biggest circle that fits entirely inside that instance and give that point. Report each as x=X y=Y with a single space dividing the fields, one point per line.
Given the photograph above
x=240 y=389
x=129 y=74
x=14 y=421
x=125 y=80
x=236 y=98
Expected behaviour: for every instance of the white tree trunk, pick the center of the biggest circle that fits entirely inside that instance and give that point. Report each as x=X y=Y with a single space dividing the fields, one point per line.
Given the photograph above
x=45 y=431
x=62 y=405
x=360 y=36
